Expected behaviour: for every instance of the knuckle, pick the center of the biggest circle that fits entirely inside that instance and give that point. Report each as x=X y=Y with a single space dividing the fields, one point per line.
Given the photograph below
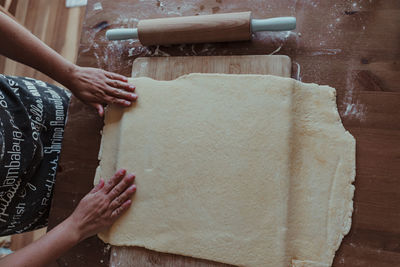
x=111 y=100
x=116 y=92
x=126 y=96
x=114 y=83
x=110 y=182
x=106 y=189
x=123 y=85
x=122 y=102
x=99 y=93
x=116 y=191
x=125 y=181
x=117 y=212
x=113 y=206
x=118 y=201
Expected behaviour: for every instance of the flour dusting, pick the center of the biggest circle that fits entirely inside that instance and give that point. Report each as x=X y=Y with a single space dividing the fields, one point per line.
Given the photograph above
x=353 y=108
x=297 y=77
x=97 y=6
x=275 y=36
x=326 y=51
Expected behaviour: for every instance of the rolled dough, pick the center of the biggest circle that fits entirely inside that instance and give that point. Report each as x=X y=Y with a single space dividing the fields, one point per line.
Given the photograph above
x=251 y=170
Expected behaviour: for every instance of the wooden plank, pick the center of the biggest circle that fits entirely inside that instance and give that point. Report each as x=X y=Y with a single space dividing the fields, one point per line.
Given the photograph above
x=5 y=11
x=7 y=4
x=53 y=23
x=169 y=68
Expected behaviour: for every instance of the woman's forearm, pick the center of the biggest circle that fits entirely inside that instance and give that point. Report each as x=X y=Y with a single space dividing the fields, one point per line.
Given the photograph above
x=46 y=249
x=93 y=86
x=21 y=45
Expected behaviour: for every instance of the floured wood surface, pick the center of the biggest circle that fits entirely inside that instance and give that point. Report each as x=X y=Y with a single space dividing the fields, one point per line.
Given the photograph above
x=250 y=170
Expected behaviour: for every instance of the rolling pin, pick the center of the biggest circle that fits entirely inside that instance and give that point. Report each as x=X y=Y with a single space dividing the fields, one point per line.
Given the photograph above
x=201 y=29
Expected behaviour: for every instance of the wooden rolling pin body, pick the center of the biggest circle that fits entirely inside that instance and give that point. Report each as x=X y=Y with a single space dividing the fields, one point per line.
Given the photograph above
x=196 y=29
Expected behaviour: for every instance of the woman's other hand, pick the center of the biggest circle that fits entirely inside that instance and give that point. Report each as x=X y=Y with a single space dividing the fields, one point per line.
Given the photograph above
x=102 y=206
x=97 y=87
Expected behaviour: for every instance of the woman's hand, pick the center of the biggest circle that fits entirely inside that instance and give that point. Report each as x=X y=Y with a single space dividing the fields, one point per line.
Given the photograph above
x=97 y=87
x=96 y=211
x=102 y=206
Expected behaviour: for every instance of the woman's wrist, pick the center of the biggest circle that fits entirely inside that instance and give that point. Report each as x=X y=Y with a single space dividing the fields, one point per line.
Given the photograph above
x=72 y=229
x=67 y=74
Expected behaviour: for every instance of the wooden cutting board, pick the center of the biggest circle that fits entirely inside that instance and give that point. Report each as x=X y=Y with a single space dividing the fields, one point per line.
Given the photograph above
x=169 y=68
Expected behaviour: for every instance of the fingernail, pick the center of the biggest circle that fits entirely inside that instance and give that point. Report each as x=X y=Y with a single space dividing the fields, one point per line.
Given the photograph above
x=132 y=188
x=122 y=171
x=127 y=103
x=131 y=87
x=134 y=95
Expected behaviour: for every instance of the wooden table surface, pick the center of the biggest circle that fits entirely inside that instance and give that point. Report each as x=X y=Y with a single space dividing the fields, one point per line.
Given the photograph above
x=353 y=46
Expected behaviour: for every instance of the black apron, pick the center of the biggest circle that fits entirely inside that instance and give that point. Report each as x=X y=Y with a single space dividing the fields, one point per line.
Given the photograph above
x=32 y=118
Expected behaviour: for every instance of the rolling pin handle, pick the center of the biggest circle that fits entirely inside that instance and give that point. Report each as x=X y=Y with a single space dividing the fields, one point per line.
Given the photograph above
x=273 y=24
x=122 y=34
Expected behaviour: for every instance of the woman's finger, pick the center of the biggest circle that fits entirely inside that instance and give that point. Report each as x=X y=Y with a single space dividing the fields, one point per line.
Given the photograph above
x=113 y=100
x=114 y=180
x=99 y=108
x=121 y=186
x=98 y=186
x=120 y=94
x=116 y=76
x=119 y=200
x=119 y=211
x=121 y=85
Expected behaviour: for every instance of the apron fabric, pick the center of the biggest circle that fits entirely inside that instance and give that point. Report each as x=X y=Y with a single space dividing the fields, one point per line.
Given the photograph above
x=32 y=118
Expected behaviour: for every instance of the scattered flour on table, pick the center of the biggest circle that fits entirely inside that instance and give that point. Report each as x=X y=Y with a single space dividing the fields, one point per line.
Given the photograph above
x=97 y=6
x=353 y=108
x=326 y=51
